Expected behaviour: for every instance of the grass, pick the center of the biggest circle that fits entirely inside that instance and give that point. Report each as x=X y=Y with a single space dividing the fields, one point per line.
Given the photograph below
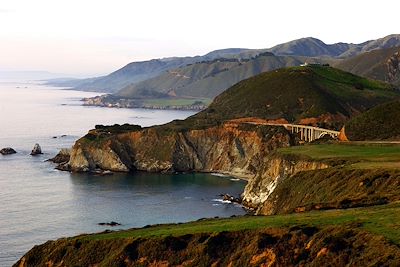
x=378 y=123
x=382 y=220
x=367 y=155
x=176 y=101
x=296 y=93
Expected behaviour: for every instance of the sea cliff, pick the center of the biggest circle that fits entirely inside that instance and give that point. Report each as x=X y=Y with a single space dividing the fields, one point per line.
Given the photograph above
x=232 y=148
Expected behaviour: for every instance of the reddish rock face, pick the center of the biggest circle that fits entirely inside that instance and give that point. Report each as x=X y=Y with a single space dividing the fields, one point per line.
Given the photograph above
x=234 y=148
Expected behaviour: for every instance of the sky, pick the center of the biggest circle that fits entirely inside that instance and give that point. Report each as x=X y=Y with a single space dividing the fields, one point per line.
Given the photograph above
x=95 y=37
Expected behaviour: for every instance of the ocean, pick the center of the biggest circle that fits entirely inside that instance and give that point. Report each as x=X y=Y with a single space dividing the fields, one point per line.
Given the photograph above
x=38 y=203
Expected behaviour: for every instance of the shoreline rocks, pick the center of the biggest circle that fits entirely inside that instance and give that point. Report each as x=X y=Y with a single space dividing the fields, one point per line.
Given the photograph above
x=7 y=151
x=227 y=197
x=62 y=157
x=37 y=150
x=112 y=223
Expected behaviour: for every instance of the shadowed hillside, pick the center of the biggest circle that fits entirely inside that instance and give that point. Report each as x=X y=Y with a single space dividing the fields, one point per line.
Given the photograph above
x=381 y=64
x=379 y=123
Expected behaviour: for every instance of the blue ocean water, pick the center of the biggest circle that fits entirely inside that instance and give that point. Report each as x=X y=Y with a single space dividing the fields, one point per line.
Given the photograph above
x=38 y=203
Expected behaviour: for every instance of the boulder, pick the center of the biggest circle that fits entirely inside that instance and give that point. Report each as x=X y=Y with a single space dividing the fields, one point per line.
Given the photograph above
x=62 y=156
x=36 y=150
x=7 y=151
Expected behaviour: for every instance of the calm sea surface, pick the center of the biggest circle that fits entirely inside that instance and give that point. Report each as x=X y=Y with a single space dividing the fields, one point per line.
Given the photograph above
x=38 y=203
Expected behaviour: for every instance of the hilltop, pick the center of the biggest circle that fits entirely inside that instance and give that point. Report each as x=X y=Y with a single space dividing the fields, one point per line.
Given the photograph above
x=313 y=47
x=318 y=95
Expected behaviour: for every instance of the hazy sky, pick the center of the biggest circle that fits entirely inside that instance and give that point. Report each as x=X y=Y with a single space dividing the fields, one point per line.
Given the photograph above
x=93 y=37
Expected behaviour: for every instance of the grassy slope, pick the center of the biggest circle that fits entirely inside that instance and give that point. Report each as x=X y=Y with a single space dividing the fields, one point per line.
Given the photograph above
x=383 y=220
x=379 y=123
x=298 y=92
x=360 y=155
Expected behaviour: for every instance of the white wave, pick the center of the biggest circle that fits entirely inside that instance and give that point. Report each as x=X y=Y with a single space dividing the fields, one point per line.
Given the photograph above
x=221 y=200
x=219 y=174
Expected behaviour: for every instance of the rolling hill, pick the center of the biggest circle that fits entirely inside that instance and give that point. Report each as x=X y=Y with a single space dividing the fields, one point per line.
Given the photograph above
x=207 y=79
x=139 y=71
x=317 y=95
x=380 y=64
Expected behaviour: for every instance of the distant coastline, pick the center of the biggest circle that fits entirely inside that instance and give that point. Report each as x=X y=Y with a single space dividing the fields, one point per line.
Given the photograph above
x=110 y=101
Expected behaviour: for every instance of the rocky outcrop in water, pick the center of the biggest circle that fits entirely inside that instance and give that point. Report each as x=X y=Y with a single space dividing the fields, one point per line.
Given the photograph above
x=37 y=150
x=62 y=157
x=7 y=151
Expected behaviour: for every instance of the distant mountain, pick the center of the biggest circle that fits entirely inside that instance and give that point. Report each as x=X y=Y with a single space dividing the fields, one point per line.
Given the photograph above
x=313 y=47
x=207 y=79
x=139 y=71
x=148 y=77
x=380 y=64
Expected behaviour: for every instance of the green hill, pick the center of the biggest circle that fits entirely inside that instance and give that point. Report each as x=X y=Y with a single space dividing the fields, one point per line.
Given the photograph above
x=379 y=123
x=381 y=64
x=325 y=94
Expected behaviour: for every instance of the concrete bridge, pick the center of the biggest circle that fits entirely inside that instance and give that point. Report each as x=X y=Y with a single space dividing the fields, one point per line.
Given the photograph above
x=307 y=133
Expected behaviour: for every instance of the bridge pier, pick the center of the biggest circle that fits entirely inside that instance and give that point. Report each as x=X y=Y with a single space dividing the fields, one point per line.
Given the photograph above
x=308 y=133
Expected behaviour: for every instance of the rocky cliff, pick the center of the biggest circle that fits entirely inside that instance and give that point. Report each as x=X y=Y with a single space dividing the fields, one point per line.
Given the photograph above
x=275 y=169
x=340 y=245
x=237 y=149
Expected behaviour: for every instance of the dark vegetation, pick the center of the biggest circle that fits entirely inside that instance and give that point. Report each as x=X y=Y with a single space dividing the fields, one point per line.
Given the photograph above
x=379 y=123
x=296 y=93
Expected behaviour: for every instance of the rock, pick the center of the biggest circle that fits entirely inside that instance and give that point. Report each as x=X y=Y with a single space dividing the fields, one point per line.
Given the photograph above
x=227 y=197
x=62 y=157
x=36 y=150
x=112 y=223
x=7 y=151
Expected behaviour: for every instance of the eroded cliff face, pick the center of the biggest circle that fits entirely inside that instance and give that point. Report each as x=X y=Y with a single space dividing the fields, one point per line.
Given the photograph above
x=237 y=149
x=274 y=171
x=339 y=245
x=393 y=68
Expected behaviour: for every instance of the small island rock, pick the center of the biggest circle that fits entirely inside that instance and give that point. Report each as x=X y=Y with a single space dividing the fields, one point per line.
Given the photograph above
x=36 y=150
x=7 y=151
x=112 y=223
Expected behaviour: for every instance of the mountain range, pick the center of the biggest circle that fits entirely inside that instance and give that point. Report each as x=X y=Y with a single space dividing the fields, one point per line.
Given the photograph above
x=201 y=78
